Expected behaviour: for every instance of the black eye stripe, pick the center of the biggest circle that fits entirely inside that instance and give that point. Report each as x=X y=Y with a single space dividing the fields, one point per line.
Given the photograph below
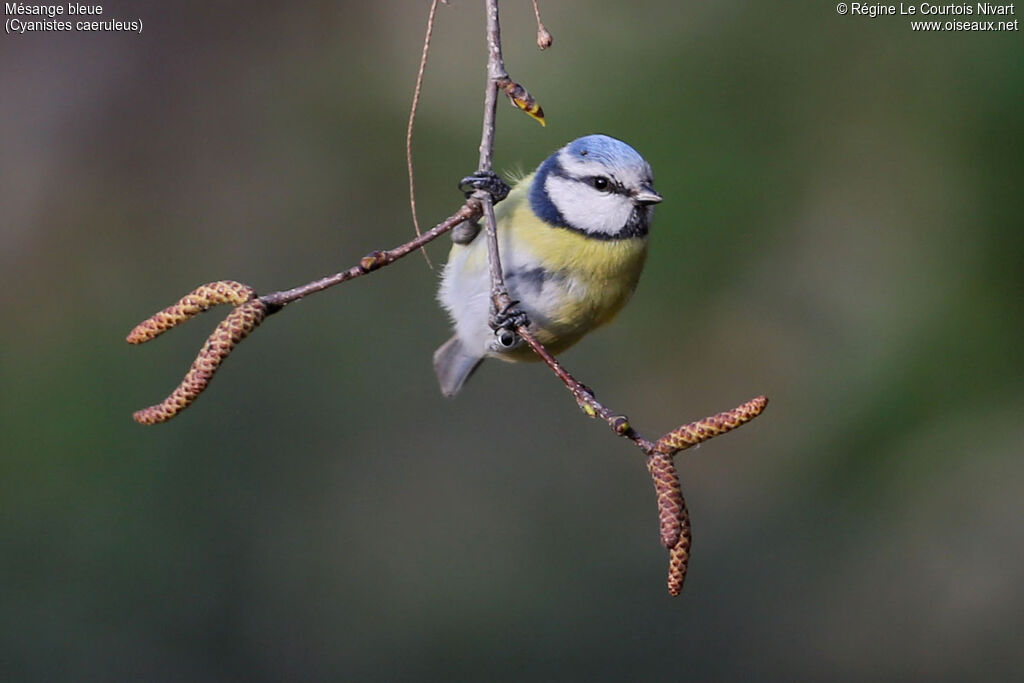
x=611 y=185
x=614 y=186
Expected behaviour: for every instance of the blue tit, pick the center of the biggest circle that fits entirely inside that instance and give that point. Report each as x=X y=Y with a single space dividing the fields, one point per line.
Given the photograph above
x=572 y=237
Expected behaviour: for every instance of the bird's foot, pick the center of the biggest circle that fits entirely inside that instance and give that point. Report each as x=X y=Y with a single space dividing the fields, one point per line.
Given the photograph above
x=504 y=324
x=488 y=181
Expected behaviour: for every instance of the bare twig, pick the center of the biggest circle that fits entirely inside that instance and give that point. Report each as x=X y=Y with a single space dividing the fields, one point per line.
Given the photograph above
x=250 y=311
x=495 y=73
x=412 y=119
x=375 y=259
x=674 y=521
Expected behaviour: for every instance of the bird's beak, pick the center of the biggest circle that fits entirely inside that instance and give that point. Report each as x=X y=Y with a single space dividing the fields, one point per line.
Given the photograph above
x=647 y=196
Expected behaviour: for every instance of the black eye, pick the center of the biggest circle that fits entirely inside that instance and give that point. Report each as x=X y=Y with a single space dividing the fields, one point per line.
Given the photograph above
x=600 y=183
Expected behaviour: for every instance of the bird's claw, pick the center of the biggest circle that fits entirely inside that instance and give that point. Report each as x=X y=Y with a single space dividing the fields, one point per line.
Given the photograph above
x=488 y=181
x=504 y=324
x=510 y=316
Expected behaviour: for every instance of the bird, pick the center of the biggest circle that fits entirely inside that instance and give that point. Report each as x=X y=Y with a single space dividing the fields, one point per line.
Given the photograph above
x=572 y=238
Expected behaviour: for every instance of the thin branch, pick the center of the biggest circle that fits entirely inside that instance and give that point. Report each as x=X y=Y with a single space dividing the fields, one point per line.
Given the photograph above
x=375 y=259
x=412 y=119
x=495 y=73
x=250 y=310
x=584 y=396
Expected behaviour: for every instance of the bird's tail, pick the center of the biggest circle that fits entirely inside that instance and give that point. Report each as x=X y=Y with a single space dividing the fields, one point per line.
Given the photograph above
x=453 y=364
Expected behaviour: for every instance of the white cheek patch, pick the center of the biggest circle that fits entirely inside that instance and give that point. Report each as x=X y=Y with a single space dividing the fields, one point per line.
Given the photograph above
x=586 y=208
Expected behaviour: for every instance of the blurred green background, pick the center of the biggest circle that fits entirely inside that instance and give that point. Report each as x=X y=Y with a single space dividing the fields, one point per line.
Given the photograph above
x=841 y=231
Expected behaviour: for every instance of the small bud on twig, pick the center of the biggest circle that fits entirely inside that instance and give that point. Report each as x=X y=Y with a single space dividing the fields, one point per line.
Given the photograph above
x=544 y=39
x=522 y=99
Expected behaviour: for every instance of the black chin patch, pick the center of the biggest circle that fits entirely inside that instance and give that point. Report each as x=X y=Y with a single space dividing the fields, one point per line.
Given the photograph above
x=637 y=225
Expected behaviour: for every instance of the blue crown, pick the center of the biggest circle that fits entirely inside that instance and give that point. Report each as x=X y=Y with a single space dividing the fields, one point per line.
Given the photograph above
x=604 y=149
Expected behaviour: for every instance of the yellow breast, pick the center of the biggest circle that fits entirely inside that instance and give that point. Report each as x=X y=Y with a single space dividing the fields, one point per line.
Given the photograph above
x=600 y=275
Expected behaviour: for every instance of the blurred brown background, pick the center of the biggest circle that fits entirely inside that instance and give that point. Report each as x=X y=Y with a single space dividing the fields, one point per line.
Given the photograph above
x=841 y=232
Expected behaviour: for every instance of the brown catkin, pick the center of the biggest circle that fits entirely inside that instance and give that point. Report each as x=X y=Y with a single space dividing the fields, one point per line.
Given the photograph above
x=702 y=430
x=679 y=555
x=669 y=496
x=233 y=329
x=192 y=304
